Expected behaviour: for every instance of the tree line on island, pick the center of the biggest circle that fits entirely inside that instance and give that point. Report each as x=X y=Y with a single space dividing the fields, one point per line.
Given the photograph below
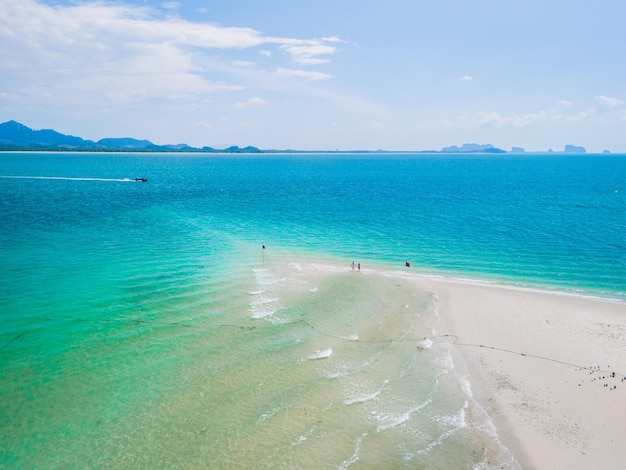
x=15 y=136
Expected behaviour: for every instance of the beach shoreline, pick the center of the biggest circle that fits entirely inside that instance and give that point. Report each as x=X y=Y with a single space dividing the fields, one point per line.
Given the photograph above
x=548 y=369
x=547 y=366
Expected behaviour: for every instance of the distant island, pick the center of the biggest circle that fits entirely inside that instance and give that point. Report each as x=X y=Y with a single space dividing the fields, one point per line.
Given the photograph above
x=472 y=148
x=18 y=137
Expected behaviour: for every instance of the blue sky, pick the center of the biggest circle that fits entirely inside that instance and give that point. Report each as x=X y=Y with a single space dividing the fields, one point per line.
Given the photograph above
x=320 y=74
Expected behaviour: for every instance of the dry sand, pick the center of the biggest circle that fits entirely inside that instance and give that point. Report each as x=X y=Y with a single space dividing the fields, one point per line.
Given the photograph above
x=547 y=367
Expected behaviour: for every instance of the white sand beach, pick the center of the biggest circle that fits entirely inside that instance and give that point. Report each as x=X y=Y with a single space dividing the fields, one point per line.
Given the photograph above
x=549 y=369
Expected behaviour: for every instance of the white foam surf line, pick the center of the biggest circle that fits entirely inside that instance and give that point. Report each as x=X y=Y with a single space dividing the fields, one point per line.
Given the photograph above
x=67 y=178
x=367 y=397
x=392 y=421
x=500 y=285
x=321 y=354
x=355 y=456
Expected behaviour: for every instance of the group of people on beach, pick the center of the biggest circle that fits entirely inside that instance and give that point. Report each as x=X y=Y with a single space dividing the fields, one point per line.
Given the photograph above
x=358 y=265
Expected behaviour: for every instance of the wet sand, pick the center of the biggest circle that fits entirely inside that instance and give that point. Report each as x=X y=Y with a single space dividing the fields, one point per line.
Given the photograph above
x=549 y=369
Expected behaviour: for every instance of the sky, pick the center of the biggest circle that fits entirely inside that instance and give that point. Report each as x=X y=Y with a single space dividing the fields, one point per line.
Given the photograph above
x=320 y=74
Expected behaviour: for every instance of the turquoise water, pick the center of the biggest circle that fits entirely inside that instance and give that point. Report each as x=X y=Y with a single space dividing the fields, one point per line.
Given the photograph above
x=540 y=220
x=144 y=326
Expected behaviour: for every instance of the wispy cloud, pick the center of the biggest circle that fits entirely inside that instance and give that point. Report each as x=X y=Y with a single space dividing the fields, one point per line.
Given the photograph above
x=608 y=102
x=171 y=5
x=494 y=119
x=562 y=111
x=561 y=105
x=466 y=78
x=203 y=124
x=305 y=74
x=256 y=101
x=309 y=52
x=123 y=52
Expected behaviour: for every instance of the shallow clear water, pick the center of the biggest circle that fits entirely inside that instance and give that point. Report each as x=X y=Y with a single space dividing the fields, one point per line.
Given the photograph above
x=144 y=326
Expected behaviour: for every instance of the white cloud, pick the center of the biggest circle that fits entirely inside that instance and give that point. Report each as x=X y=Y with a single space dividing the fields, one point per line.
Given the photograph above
x=563 y=104
x=466 y=78
x=242 y=63
x=579 y=116
x=171 y=5
x=266 y=53
x=252 y=102
x=609 y=103
x=307 y=52
x=203 y=124
x=305 y=74
x=554 y=114
x=515 y=120
x=90 y=51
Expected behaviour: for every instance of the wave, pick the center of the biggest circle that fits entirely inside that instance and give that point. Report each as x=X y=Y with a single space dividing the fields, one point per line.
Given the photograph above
x=388 y=421
x=367 y=397
x=324 y=354
x=355 y=456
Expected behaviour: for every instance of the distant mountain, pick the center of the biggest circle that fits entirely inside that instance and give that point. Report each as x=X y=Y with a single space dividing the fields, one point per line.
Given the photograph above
x=13 y=133
x=574 y=149
x=125 y=143
x=236 y=149
x=472 y=148
x=16 y=136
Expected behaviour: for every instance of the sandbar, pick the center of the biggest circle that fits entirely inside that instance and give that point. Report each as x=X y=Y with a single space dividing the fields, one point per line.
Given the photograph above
x=548 y=367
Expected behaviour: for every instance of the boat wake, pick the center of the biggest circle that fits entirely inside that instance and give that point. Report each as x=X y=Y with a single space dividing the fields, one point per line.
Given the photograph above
x=67 y=178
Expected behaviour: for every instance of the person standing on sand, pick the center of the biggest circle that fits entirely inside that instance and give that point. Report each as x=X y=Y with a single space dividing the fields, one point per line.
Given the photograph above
x=359 y=267
x=353 y=265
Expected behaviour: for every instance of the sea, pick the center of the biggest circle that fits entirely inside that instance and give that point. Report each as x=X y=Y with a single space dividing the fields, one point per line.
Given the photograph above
x=211 y=317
